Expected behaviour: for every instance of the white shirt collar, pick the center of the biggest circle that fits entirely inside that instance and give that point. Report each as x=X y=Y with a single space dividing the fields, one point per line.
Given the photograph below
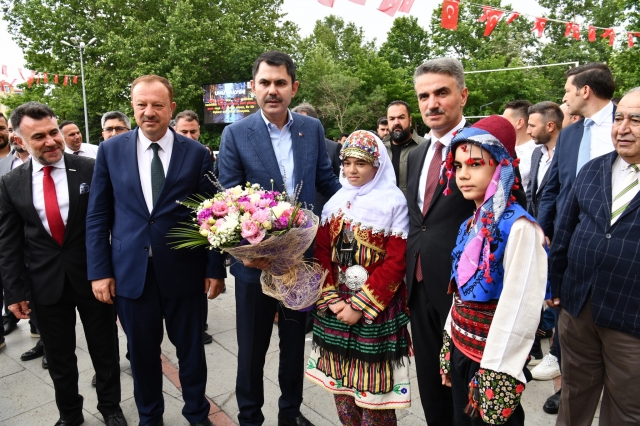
x=545 y=150
x=37 y=166
x=446 y=139
x=163 y=141
x=602 y=115
x=268 y=123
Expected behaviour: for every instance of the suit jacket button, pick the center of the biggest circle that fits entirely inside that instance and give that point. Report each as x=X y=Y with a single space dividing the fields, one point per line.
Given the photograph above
x=150 y=222
x=146 y=249
x=608 y=236
x=424 y=228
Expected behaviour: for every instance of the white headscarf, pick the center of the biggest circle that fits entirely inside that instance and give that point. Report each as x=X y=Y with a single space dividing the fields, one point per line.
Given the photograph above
x=377 y=205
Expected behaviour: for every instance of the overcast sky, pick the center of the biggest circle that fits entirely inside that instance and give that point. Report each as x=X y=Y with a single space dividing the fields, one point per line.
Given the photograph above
x=304 y=13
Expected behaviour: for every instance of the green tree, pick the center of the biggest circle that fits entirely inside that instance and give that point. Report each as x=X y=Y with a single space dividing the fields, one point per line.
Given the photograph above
x=407 y=43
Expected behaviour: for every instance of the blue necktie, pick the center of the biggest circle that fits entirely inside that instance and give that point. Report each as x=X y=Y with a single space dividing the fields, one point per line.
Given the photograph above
x=584 y=153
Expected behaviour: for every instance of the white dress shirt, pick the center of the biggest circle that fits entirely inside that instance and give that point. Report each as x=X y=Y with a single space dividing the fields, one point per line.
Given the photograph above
x=145 y=155
x=619 y=173
x=446 y=141
x=601 y=142
x=545 y=162
x=86 y=150
x=17 y=161
x=59 y=176
x=283 y=149
x=524 y=152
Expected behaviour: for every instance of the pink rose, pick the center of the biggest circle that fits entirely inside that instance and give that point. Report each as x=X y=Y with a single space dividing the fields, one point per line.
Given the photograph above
x=249 y=229
x=257 y=237
x=248 y=207
x=219 y=209
x=261 y=215
x=301 y=218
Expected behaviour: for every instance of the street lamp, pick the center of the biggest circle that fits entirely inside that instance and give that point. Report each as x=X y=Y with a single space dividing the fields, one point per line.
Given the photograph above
x=80 y=45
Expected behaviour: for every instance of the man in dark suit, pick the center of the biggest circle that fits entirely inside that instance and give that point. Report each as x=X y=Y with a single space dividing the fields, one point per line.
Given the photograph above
x=545 y=123
x=594 y=272
x=43 y=206
x=139 y=175
x=434 y=221
x=272 y=147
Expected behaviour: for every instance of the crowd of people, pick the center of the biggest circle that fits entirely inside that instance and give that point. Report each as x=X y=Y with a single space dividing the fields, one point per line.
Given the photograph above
x=463 y=248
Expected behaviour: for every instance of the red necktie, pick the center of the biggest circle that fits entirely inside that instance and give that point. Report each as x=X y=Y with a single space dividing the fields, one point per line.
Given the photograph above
x=56 y=225
x=76 y=153
x=433 y=175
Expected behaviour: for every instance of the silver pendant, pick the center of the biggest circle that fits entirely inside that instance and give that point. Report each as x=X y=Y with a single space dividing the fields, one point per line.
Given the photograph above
x=356 y=276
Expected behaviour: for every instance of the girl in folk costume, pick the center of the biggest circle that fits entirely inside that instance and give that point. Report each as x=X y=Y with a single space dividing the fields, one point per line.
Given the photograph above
x=499 y=280
x=361 y=343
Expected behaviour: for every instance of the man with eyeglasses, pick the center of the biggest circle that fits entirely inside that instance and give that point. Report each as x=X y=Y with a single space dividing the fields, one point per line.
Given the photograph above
x=114 y=123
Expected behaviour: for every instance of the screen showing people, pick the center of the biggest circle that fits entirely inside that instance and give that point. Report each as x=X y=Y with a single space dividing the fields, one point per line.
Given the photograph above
x=228 y=102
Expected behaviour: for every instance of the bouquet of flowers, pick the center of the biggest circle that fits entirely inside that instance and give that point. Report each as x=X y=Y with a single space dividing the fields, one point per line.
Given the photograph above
x=250 y=222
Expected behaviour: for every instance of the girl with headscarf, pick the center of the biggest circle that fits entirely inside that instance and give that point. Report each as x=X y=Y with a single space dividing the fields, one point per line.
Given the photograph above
x=361 y=344
x=499 y=281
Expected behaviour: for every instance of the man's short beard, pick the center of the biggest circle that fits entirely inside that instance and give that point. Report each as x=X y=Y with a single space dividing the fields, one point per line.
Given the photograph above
x=17 y=148
x=542 y=138
x=400 y=136
x=4 y=142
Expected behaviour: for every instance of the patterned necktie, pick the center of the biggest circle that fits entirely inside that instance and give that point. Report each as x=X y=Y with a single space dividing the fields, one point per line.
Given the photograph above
x=157 y=173
x=51 y=207
x=624 y=197
x=584 y=152
x=429 y=190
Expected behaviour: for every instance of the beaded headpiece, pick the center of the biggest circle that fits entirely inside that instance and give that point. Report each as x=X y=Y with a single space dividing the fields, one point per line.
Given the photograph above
x=361 y=144
x=496 y=135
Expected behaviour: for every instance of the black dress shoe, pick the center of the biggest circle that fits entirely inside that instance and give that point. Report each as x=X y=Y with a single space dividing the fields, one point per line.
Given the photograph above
x=552 y=404
x=10 y=326
x=298 y=421
x=70 y=422
x=115 y=419
x=45 y=364
x=36 y=352
x=205 y=422
x=207 y=339
x=94 y=381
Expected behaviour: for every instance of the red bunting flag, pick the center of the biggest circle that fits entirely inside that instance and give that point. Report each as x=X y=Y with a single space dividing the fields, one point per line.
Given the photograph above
x=538 y=27
x=576 y=31
x=46 y=78
x=609 y=33
x=450 y=14
x=390 y=7
x=493 y=16
x=567 y=28
x=512 y=17
x=75 y=79
x=66 y=80
x=20 y=72
x=572 y=30
x=592 y=33
x=326 y=2
x=38 y=80
x=4 y=70
x=55 y=79
x=358 y=1
x=30 y=82
x=630 y=38
x=485 y=13
x=405 y=7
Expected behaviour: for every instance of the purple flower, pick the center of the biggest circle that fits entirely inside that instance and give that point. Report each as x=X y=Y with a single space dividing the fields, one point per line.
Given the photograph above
x=204 y=215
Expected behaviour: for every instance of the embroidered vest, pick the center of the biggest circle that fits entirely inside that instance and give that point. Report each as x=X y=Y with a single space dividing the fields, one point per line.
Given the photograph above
x=477 y=289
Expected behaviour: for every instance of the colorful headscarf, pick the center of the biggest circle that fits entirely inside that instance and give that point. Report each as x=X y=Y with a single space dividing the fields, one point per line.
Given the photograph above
x=497 y=136
x=361 y=145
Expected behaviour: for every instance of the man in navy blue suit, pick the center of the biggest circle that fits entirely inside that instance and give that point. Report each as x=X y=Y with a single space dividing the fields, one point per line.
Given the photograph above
x=588 y=93
x=138 y=177
x=272 y=147
x=595 y=277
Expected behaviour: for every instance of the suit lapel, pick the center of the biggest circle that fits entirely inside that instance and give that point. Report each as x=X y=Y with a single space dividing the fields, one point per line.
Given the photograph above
x=73 y=183
x=130 y=151
x=26 y=184
x=606 y=185
x=413 y=181
x=261 y=141
x=300 y=149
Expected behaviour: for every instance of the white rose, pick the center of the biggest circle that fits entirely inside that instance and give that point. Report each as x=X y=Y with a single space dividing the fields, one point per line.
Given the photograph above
x=280 y=208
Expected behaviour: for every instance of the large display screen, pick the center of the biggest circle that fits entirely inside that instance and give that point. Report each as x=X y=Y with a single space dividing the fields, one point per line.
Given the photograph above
x=228 y=102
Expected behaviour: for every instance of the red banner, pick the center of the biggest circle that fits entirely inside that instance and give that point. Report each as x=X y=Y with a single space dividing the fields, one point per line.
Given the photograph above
x=493 y=17
x=450 y=14
x=609 y=33
x=539 y=26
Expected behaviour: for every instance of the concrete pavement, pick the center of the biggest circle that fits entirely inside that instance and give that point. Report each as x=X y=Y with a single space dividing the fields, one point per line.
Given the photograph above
x=27 y=396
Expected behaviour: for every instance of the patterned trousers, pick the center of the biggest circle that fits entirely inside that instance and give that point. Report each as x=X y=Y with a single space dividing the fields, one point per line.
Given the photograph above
x=352 y=415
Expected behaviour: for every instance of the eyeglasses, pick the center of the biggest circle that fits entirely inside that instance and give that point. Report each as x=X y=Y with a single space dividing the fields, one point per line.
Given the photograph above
x=116 y=129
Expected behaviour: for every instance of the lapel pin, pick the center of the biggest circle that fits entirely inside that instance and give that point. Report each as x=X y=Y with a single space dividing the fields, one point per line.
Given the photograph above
x=72 y=170
x=301 y=134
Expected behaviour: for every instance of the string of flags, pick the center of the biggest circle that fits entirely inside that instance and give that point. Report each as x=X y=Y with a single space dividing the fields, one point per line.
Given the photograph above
x=390 y=7
x=492 y=15
x=32 y=77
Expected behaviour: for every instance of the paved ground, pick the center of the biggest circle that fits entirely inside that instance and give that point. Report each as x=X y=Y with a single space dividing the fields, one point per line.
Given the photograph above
x=27 y=396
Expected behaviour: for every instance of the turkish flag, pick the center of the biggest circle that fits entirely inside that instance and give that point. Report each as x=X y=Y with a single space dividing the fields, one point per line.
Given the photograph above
x=567 y=28
x=20 y=72
x=75 y=79
x=630 y=38
x=493 y=16
x=358 y=1
x=538 y=27
x=512 y=17
x=575 y=29
x=485 y=13
x=55 y=79
x=66 y=80
x=450 y=14
x=38 y=80
x=327 y=2
x=390 y=7
x=46 y=78
x=405 y=7
x=592 y=33
x=609 y=33
x=30 y=82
